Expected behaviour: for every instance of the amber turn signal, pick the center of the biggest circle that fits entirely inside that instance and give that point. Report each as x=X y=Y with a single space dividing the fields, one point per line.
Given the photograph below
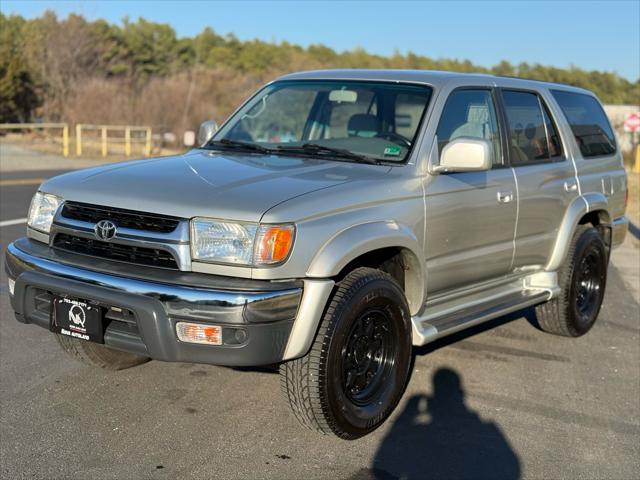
x=199 y=333
x=273 y=244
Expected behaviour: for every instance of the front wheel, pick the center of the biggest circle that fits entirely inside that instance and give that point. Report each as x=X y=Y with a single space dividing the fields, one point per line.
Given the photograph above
x=356 y=371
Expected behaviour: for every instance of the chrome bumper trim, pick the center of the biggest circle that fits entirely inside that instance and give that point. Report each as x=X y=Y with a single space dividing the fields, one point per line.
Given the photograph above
x=180 y=296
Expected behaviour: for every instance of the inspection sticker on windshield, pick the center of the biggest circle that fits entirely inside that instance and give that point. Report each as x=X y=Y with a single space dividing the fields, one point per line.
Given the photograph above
x=392 y=151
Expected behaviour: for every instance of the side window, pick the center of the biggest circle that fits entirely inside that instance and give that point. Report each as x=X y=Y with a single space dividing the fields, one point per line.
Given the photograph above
x=470 y=113
x=553 y=139
x=588 y=123
x=532 y=135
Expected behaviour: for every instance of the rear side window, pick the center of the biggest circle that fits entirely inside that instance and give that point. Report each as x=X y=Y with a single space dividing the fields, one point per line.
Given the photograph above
x=533 y=137
x=588 y=123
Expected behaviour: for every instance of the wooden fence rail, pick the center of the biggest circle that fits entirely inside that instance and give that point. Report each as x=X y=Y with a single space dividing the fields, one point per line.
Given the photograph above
x=42 y=126
x=104 y=137
x=82 y=128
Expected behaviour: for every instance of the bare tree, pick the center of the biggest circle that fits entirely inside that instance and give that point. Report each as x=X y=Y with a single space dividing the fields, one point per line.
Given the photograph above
x=66 y=56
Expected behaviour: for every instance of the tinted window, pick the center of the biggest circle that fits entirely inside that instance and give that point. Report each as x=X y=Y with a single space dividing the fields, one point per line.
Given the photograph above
x=470 y=113
x=532 y=135
x=553 y=138
x=588 y=122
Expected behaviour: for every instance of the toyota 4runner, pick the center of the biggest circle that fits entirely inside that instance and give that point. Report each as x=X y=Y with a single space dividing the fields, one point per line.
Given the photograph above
x=333 y=221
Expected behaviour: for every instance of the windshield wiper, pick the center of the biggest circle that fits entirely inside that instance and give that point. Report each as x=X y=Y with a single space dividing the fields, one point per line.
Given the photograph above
x=226 y=143
x=314 y=148
x=308 y=148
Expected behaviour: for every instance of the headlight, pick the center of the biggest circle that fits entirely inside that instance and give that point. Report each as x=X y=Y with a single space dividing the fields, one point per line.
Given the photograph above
x=43 y=208
x=240 y=243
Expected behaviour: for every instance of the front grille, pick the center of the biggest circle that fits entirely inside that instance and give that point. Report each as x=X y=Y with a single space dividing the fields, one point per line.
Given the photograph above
x=114 y=251
x=122 y=218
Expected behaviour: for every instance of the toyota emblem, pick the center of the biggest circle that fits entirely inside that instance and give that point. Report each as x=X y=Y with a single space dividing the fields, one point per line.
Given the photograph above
x=105 y=230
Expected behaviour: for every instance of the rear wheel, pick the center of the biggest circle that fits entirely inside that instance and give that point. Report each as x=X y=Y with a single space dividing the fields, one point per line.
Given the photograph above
x=98 y=355
x=355 y=373
x=582 y=281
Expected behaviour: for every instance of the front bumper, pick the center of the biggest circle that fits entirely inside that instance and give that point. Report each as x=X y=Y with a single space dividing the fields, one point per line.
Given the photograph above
x=263 y=311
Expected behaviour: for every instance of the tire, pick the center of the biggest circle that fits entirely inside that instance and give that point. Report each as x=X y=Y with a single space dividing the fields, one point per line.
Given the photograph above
x=98 y=355
x=357 y=368
x=582 y=280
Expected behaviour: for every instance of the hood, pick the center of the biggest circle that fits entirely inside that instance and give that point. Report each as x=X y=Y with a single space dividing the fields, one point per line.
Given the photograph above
x=206 y=183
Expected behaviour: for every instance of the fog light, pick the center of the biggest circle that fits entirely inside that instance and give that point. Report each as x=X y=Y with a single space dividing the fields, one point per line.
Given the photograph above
x=12 y=286
x=233 y=336
x=199 y=333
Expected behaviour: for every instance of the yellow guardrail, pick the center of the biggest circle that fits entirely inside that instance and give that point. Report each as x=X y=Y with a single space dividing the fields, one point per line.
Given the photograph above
x=42 y=126
x=104 y=137
x=127 y=138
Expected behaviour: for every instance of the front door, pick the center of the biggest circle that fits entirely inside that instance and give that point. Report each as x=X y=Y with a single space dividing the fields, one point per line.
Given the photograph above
x=471 y=216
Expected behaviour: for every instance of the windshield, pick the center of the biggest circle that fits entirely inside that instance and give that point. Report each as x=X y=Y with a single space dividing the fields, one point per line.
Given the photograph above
x=372 y=121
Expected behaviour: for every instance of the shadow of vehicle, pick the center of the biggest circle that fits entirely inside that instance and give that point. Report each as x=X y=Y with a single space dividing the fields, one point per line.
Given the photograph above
x=439 y=437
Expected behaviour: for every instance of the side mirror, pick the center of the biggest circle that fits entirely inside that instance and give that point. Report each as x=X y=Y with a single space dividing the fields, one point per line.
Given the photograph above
x=206 y=131
x=465 y=154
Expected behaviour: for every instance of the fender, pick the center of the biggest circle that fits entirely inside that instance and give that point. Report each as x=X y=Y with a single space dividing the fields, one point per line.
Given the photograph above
x=357 y=240
x=579 y=207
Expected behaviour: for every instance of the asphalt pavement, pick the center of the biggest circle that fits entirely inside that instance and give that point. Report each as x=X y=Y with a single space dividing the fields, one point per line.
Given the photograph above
x=503 y=400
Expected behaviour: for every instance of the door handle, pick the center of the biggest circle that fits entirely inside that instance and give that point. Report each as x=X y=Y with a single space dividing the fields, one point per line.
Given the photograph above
x=505 y=197
x=570 y=186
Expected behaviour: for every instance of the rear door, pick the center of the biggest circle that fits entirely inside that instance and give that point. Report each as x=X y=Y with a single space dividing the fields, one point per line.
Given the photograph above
x=470 y=216
x=545 y=175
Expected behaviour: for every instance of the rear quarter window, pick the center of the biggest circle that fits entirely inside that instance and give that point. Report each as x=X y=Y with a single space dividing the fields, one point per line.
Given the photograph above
x=588 y=122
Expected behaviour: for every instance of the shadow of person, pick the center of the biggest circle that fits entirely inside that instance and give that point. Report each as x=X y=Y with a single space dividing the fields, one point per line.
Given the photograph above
x=439 y=437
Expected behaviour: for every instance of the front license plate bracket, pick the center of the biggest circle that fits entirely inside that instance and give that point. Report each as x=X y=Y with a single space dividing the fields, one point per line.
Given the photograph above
x=77 y=318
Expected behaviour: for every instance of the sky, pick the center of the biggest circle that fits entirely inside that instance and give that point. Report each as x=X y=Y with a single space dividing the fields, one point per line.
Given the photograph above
x=593 y=35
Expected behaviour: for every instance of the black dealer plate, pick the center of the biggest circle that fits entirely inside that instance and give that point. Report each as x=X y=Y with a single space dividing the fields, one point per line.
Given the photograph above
x=77 y=319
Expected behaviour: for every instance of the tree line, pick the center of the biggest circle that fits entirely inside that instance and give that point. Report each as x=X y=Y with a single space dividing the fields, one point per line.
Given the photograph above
x=141 y=72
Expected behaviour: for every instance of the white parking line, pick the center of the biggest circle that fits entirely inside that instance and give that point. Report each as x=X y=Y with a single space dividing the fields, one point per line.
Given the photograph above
x=15 y=221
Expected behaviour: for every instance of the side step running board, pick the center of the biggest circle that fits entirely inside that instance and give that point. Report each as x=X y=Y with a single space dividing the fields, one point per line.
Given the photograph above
x=445 y=321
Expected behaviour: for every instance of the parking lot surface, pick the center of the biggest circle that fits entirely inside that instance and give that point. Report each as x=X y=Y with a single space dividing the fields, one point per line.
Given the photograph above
x=503 y=400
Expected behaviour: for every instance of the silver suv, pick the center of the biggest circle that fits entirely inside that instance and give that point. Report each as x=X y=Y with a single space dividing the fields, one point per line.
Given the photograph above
x=336 y=219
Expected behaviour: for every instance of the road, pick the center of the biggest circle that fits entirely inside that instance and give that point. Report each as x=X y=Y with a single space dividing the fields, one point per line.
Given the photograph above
x=501 y=401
